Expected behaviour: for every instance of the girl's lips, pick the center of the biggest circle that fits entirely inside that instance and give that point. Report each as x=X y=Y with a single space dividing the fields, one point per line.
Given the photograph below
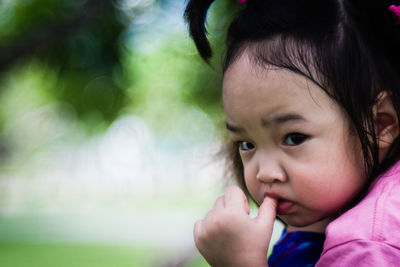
x=284 y=207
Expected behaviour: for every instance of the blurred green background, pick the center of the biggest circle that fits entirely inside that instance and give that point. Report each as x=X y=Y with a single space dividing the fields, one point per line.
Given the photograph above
x=109 y=132
x=110 y=128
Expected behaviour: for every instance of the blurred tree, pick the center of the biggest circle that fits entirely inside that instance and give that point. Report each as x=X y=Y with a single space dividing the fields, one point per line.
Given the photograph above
x=80 y=53
x=78 y=39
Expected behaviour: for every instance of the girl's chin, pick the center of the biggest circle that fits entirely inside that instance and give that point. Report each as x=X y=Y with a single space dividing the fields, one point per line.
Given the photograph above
x=296 y=224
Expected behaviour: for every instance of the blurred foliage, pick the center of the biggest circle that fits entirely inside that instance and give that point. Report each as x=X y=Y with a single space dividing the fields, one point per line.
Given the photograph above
x=81 y=43
x=81 y=64
x=95 y=60
x=77 y=41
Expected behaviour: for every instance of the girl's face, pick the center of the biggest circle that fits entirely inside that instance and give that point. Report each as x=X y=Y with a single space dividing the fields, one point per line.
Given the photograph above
x=294 y=142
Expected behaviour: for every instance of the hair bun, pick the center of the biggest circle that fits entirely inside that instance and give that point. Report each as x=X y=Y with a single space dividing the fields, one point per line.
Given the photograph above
x=195 y=16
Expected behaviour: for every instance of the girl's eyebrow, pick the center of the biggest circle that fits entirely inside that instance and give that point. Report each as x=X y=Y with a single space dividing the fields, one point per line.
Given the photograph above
x=234 y=129
x=280 y=119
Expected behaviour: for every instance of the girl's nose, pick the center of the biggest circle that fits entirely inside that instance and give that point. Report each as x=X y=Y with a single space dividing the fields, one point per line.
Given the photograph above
x=270 y=171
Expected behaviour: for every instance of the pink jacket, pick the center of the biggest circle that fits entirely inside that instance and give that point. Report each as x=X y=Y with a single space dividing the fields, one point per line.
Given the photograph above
x=369 y=233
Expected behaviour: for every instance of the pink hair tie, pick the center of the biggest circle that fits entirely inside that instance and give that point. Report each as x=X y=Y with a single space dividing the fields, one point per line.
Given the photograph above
x=242 y=1
x=396 y=13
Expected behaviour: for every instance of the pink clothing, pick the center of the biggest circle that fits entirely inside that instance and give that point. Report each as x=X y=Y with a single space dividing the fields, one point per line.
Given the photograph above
x=369 y=233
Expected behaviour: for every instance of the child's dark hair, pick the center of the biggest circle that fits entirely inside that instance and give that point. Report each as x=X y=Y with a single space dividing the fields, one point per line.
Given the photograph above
x=349 y=48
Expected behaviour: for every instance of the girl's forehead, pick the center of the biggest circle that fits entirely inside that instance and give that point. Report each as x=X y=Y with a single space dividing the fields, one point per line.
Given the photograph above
x=241 y=73
x=244 y=77
x=241 y=64
x=271 y=90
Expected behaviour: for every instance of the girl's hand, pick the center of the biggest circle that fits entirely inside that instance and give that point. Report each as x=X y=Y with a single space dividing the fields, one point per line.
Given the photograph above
x=228 y=236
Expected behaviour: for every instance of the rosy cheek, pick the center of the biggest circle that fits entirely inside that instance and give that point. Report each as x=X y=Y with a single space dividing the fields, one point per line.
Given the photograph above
x=312 y=191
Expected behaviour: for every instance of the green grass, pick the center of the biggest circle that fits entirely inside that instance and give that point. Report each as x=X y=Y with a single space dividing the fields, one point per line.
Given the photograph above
x=41 y=240
x=71 y=255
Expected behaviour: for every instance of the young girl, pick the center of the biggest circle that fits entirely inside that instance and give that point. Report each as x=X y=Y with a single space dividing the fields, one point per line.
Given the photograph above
x=311 y=92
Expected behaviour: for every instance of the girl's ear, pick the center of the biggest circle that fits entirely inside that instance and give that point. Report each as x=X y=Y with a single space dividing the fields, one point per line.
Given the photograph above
x=385 y=121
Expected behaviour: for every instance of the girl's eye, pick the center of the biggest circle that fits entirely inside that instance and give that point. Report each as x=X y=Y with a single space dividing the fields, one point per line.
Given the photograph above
x=295 y=139
x=245 y=146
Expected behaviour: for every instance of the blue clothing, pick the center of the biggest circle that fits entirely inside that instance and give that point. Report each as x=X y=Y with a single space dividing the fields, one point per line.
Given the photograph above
x=301 y=249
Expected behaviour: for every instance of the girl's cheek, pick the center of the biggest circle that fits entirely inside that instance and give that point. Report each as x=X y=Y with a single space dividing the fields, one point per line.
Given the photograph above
x=250 y=180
